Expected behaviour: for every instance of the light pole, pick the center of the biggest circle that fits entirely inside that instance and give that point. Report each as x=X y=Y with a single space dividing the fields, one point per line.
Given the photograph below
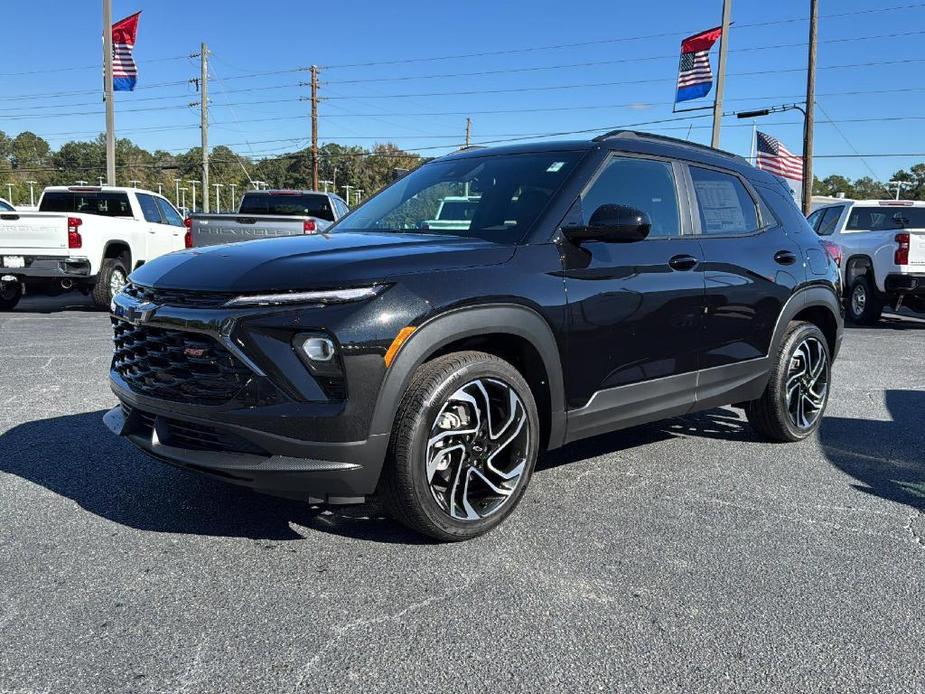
x=183 y=198
x=218 y=199
x=160 y=188
x=9 y=192
x=359 y=192
x=347 y=189
x=177 y=183
x=258 y=184
x=31 y=193
x=232 y=186
x=80 y=183
x=134 y=182
x=100 y=179
x=899 y=186
x=326 y=183
x=193 y=183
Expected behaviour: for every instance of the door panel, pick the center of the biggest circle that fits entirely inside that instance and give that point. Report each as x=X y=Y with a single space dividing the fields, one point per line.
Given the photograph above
x=632 y=316
x=749 y=272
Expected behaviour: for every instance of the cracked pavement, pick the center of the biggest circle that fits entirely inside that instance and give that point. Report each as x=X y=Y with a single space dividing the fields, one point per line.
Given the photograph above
x=685 y=555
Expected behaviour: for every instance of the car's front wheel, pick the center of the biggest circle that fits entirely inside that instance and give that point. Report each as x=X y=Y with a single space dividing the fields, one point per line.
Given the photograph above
x=463 y=446
x=791 y=407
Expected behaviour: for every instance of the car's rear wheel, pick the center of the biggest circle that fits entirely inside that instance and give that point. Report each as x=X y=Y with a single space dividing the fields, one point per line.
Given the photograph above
x=463 y=446
x=793 y=402
x=10 y=294
x=113 y=276
x=864 y=307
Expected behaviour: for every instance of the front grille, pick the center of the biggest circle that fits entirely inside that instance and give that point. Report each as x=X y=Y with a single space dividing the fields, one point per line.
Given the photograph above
x=175 y=365
x=177 y=297
x=190 y=435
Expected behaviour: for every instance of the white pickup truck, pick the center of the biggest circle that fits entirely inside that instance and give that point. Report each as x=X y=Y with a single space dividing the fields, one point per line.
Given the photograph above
x=84 y=238
x=880 y=247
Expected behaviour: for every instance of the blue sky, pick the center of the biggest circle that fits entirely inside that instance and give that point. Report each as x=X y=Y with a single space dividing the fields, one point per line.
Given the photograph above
x=263 y=114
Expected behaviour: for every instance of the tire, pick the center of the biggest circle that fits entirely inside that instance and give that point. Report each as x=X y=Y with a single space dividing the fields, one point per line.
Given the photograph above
x=104 y=289
x=433 y=478
x=10 y=296
x=775 y=414
x=864 y=307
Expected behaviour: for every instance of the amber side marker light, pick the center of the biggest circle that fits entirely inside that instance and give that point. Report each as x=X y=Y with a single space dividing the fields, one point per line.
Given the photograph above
x=399 y=340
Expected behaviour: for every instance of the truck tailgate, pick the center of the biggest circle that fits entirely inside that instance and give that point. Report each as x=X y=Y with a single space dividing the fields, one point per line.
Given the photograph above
x=209 y=230
x=917 y=248
x=33 y=233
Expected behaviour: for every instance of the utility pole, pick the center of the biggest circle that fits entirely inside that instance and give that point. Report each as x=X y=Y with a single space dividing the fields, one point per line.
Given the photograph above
x=204 y=125
x=809 y=121
x=193 y=183
x=107 y=94
x=721 y=73
x=348 y=189
x=468 y=131
x=31 y=193
x=899 y=186
x=218 y=197
x=233 y=199
x=314 y=71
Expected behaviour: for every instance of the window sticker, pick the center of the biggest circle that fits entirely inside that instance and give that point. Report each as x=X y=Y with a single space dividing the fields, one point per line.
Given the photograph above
x=720 y=206
x=555 y=166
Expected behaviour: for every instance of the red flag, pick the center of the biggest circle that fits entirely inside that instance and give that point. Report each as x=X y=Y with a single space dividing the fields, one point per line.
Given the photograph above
x=124 y=70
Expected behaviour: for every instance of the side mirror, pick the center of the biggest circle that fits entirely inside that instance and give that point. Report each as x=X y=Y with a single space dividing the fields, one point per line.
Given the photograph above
x=612 y=224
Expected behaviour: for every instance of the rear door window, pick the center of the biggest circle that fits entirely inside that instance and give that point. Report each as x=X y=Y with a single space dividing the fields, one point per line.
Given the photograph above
x=149 y=208
x=726 y=207
x=829 y=221
x=171 y=216
x=106 y=204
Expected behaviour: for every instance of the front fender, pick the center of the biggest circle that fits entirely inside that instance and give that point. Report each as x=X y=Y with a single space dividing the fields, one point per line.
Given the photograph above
x=461 y=323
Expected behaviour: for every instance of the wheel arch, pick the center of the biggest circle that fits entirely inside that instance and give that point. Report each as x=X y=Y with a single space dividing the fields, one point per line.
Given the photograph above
x=116 y=249
x=855 y=266
x=514 y=332
x=817 y=305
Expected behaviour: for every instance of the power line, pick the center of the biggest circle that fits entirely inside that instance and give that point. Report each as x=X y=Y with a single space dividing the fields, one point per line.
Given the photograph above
x=599 y=42
x=45 y=71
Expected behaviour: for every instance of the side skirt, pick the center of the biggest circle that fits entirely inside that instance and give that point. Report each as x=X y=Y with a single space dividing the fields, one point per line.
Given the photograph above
x=672 y=396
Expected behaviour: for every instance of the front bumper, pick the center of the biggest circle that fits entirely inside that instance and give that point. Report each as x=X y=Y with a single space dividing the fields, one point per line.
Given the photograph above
x=304 y=471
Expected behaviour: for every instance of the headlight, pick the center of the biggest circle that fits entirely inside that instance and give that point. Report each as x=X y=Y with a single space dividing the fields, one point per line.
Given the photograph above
x=332 y=296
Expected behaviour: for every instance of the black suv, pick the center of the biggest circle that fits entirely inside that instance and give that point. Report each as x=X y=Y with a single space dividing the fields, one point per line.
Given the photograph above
x=595 y=285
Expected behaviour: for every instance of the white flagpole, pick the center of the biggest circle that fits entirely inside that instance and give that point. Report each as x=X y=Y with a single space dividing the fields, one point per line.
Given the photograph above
x=753 y=157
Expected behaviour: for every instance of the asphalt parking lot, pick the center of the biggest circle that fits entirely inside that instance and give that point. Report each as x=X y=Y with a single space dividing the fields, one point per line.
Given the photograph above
x=681 y=556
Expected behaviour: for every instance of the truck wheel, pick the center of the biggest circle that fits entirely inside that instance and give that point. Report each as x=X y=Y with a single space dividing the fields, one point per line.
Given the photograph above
x=864 y=308
x=10 y=294
x=111 y=279
x=791 y=407
x=463 y=447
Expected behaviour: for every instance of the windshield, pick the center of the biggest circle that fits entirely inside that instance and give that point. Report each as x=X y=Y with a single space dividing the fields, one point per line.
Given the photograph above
x=492 y=197
x=291 y=204
x=885 y=218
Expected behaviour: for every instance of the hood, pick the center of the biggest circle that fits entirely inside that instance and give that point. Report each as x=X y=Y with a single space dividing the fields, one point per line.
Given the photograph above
x=318 y=260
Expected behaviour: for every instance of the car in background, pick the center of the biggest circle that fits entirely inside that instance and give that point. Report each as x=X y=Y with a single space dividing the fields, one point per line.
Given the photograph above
x=6 y=206
x=880 y=247
x=454 y=212
x=267 y=214
x=83 y=238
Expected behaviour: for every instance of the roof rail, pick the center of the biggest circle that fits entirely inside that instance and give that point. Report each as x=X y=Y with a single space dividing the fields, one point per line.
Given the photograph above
x=466 y=148
x=620 y=133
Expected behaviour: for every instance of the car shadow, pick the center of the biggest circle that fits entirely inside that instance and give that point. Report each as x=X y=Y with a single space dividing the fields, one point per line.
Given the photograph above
x=77 y=457
x=63 y=303
x=885 y=457
x=906 y=320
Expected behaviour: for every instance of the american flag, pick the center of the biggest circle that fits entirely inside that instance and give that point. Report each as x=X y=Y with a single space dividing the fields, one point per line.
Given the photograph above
x=777 y=159
x=695 y=78
x=124 y=70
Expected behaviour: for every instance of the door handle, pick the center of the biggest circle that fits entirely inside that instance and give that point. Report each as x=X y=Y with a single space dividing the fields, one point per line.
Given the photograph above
x=785 y=258
x=683 y=262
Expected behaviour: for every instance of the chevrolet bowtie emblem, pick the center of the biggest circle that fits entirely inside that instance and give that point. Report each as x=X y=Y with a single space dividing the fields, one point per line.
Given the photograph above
x=140 y=313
